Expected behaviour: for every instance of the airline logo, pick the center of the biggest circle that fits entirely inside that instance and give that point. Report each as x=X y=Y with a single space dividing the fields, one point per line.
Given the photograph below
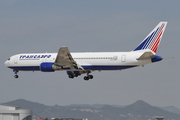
x=34 y=56
x=152 y=41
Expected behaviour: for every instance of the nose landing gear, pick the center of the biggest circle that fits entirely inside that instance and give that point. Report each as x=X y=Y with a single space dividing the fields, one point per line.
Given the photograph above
x=15 y=72
x=16 y=76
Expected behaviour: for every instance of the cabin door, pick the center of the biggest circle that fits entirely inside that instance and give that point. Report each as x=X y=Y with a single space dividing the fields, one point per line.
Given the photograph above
x=16 y=60
x=123 y=58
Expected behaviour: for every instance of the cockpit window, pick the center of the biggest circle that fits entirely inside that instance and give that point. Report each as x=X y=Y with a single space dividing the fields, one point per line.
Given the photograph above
x=9 y=59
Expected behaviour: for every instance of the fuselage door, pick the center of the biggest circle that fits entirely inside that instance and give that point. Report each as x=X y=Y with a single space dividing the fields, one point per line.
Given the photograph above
x=16 y=59
x=123 y=58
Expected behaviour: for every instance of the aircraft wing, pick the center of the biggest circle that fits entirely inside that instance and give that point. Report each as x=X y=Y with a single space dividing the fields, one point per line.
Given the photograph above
x=64 y=58
x=146 y=55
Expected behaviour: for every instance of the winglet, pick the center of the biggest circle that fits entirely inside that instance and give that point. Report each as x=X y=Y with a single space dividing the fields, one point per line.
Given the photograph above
x=152 y=41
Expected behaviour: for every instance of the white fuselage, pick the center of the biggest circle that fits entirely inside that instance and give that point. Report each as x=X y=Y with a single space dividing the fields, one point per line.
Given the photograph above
x=89 y=60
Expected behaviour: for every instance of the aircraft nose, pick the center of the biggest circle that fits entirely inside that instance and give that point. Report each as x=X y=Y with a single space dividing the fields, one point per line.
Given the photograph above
x=6 y=63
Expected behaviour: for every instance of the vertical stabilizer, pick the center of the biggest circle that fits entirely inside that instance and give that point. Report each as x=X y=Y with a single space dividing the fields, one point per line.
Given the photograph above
x=153 y=40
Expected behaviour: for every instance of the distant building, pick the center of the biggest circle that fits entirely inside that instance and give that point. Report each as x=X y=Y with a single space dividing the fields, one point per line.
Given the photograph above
x=40 y=118
x=72 y=119
x=68 y=119
x=14 y=113
x=159 y=117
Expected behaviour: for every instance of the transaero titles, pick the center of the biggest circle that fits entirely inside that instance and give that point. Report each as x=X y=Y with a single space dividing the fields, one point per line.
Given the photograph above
x=34 y=56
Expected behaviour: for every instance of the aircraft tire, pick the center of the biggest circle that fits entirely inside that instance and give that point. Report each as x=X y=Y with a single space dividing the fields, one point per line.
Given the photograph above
x=76 y=75
x=90 y=76
x=86 y=78
x=16 y=76
x=71 y=76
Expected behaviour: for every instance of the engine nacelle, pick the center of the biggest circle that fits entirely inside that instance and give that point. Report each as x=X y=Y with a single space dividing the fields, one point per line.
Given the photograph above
x=46 y=67
x=49 y=67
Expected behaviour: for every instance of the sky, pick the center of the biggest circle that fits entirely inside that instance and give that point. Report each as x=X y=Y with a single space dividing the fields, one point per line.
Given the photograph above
x=39 y=26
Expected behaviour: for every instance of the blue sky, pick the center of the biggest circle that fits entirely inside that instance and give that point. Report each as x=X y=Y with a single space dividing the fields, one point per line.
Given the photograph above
x=87 y=26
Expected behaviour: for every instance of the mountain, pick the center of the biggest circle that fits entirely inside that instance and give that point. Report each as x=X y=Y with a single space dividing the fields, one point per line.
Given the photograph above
x=86 y=105
x=144 y=109
x=171 y=109
x=35 y=107
x=139 y=110
x=93 y=106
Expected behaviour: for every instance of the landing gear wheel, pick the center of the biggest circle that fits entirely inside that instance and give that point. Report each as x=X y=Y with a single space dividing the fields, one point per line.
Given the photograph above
x=16 y=76
x=90 y=76
x=86 y=78
x=76 y=75
x=15 y=72
x=71 y=76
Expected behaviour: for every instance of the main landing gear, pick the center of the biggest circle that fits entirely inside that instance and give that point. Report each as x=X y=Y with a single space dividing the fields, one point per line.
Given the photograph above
x=72 y=76
x=15 y=72
x=78 y=74
x=88 y=76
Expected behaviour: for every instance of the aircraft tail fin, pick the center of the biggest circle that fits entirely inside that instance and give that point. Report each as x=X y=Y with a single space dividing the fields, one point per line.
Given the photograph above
x=152 y=41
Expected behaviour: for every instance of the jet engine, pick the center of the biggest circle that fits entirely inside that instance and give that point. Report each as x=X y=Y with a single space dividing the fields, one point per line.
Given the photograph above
x=49 y=67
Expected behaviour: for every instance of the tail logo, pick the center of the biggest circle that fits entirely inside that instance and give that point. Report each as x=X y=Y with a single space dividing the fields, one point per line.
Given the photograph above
x=153 y=39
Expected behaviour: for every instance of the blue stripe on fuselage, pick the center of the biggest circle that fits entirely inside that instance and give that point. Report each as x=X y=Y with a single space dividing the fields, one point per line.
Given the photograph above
x=101 y=67
x=89 y=67
x=26 y=68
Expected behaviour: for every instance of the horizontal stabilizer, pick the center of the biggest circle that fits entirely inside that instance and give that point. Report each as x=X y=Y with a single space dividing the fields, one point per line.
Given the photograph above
x=167 y=57
x=146 y=55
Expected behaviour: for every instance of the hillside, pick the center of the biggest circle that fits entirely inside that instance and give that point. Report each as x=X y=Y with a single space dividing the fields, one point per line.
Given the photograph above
x=139 y=110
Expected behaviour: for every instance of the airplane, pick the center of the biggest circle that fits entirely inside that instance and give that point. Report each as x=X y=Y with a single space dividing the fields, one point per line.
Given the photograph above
x=85 y=62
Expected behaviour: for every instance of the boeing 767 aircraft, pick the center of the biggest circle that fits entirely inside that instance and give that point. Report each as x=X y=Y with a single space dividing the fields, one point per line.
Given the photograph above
x=80 y=63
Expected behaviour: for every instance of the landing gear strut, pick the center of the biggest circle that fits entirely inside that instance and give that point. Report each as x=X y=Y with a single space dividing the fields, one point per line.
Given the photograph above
x=15 y=72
